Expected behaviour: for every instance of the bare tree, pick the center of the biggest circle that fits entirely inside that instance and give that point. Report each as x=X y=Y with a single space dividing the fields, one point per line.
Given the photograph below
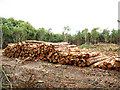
x=66 y=30
x=85 y=32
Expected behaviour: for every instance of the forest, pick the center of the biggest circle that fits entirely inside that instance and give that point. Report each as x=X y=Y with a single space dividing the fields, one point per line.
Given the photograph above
x=19 y=30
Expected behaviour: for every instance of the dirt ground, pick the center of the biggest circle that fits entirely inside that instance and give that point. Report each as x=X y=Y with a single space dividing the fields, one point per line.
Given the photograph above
x=47 y=75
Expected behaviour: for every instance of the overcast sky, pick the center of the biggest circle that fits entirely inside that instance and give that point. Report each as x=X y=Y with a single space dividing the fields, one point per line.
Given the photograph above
x=55 y=14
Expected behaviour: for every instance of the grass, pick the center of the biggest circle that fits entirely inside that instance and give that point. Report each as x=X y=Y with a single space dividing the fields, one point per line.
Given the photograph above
x=107 y=47
x=101 y=47
x=87 y=46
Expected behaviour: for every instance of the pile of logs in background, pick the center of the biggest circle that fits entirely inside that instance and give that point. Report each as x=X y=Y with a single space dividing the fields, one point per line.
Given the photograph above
x=62 y=53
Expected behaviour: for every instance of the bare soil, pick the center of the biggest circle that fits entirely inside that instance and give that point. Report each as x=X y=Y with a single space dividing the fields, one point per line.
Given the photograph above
x=42 y=74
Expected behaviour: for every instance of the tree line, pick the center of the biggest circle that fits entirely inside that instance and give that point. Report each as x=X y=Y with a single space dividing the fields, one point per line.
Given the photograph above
x=19 y=30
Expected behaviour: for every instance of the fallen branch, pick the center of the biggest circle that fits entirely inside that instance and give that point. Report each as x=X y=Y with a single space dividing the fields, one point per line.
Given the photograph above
x=7 y=79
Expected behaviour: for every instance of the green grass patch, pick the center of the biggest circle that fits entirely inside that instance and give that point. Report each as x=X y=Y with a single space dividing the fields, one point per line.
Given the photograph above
x=87 y=46
x=6 y=84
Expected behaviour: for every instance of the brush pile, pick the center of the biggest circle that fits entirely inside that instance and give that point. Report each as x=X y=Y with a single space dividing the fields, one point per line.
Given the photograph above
x=62 y=53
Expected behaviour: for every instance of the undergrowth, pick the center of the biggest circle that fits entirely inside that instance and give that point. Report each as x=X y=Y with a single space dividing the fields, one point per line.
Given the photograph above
x=87 y=46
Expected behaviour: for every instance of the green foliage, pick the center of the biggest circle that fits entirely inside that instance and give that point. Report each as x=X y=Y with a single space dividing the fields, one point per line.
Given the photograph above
x=106 y=34
x=85 y=33
x=65 y=33
x=14 y=31
x=18 y=30
x=94 y=35
x=79 y=38
x=87 y=46
x=113 y=36
x=57 y=38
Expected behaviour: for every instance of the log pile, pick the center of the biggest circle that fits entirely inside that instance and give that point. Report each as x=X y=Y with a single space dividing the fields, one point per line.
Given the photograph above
x=110 y=63
x=62 y=53
x=29 y=51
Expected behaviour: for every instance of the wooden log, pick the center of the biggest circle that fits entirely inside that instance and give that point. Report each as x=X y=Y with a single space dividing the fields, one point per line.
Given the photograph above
x=104 y=67
x=28 y=58
x=100 y=63
x=117 y=68
x=49 y=55
x=97 y=57
x=111 y=64
x=54 y=61
x=79 y=65
x=89 y=62
x=117 y=64
x=62 y=61
x=83 y=64
x=117 y=59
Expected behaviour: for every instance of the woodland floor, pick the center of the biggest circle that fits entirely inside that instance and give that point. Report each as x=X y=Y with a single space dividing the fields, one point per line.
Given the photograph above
x=47 y=75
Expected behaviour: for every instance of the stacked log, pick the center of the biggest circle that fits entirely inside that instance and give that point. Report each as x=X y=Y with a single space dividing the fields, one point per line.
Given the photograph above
x=110 y=63
x=28 y=51
x=53 y=52
x=117 y=63
x=62 y=53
